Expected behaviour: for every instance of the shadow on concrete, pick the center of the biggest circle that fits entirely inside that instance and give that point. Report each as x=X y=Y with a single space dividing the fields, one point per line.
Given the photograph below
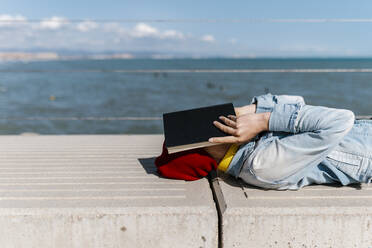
x=148 y=165
x=241 y=184
x=230 y=180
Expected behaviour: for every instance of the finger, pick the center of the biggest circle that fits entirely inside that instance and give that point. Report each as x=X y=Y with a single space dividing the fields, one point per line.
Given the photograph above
x=226 y=139
x=228 y=122
x=225 y=128
x=232 y=117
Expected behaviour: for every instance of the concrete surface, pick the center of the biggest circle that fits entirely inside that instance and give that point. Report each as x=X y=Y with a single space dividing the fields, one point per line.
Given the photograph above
x=98 y=191
x=315 y=216
x=102 y=191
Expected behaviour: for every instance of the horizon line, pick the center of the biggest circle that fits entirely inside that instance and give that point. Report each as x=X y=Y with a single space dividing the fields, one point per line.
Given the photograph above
x=194 y=20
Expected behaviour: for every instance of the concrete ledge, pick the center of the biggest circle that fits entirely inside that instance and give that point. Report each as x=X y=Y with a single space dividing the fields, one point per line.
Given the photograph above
x=98 y=191
x=103 y=191
x=316 y=216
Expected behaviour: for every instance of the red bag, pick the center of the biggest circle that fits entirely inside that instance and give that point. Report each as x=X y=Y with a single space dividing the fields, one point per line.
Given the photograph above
x=187 y=165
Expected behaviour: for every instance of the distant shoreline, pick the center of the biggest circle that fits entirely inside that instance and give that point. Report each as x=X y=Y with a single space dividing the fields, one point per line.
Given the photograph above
x=53 y=56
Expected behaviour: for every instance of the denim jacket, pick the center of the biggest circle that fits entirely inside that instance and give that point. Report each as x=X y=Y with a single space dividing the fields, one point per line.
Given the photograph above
x=305 y=145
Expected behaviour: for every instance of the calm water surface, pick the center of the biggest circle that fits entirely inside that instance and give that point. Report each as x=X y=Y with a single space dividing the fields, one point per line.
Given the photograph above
x=38 y=89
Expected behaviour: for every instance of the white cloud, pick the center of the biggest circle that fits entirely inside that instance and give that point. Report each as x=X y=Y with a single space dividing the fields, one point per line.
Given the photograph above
x=56 y=33
x=13 y=20
x=53 y=23
x=144 y=30
x=208 y=38
x=173 y=34
x=86 y=26
x=115 y=36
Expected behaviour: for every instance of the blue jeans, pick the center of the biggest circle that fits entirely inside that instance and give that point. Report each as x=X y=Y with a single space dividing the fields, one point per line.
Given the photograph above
x=305 y=145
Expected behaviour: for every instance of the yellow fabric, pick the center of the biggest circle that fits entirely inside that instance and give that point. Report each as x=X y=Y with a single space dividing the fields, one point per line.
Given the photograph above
x=225 y=162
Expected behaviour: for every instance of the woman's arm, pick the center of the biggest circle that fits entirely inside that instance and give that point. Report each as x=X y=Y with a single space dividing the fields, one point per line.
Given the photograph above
x=247 y=109
x=259 y=104
x=266 y=103
x=317 y=131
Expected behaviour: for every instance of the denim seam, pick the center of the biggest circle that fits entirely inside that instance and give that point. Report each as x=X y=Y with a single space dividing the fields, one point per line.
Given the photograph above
x=360 y=170
x=263 y=104
x=263 y=110
x=293 y=121
x=354 y=153
x=364 y=134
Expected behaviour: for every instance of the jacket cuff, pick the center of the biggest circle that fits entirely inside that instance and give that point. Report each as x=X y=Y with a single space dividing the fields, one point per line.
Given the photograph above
x=264 y=103
x=283 y=118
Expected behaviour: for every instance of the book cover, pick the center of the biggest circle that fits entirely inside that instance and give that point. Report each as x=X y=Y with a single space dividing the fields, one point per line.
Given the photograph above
x=189 y=129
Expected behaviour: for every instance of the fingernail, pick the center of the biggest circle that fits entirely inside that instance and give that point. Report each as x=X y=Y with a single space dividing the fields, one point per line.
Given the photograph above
x=214 y=122
x=210 y=140
x=220 y=117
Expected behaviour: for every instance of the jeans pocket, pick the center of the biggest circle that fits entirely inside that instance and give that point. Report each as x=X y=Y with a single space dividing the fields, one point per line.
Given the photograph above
x=352 y=165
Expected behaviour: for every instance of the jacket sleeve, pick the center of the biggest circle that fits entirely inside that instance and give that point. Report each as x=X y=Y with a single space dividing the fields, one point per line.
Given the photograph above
x=266 y=103
x=315 y=132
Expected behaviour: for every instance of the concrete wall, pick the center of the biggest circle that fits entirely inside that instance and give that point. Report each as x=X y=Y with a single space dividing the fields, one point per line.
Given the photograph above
x=316 y=216
x=98 y=191
x=103 y=191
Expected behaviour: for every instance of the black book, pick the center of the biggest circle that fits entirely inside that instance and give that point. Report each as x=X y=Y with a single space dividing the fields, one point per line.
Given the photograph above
x=189 y=129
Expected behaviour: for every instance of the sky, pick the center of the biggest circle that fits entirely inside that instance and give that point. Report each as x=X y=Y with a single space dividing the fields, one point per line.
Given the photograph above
x=58 y=32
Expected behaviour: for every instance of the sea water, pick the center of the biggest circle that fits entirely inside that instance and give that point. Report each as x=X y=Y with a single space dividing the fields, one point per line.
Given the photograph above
x=45 y=97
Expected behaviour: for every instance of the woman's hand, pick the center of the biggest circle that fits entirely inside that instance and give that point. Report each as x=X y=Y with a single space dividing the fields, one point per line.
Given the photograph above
x=242 y=128
x=247 y=109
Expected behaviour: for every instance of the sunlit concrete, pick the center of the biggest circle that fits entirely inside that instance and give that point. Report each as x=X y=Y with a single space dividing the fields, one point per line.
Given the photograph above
x=315 y=216
x=98 y=191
